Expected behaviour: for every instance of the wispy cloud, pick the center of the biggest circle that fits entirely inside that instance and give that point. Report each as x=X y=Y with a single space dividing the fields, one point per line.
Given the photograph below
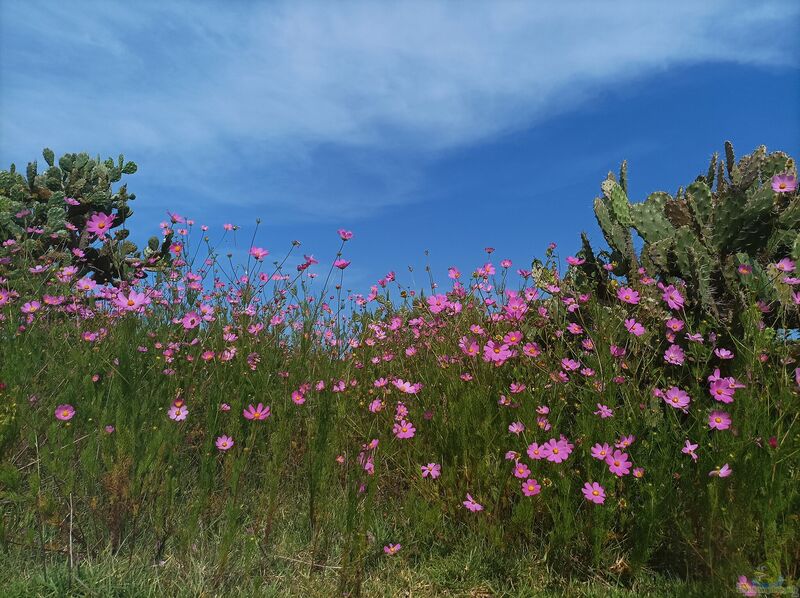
x=335 y=107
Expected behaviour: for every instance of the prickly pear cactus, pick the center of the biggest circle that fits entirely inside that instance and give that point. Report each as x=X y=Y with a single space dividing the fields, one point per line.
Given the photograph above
x=46 y=214
x=703 y=234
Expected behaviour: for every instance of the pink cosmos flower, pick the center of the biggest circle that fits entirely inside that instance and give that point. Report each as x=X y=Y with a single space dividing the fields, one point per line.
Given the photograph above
x=434 y=470
x=191 y=320
x=570 y=364
x=638 y=472
x=689 y=448
x=574 y=328
x=628 y=295
x=30 y=307
x=634 y=327
x=724 y=353
x=65 y=412
x=784 y=183
x=675 y=324
x=178 y=413
x=516 y=428
x=625 y=441
x=345 y=235
x=618 y=463
x=471 y=504
x=601 y=451
x=521 y=470
x=603 y=411
x=99 y=224
x=535 y=452
x=495 y=352
x=341 y=263
x=594 y=492
x=719 y=420
x=677 y=398
x=261 y=412
x=674 y=355
x=404 y=429
x=672 y=297
x=531 y=350
x=557 y=451
x=531 y=487
x=721 y=390
x=258 y=253
x=392 y=549
x=785 y=265
x=224 y=443
x=721 y=472
x=744 y=585
x=132 y=302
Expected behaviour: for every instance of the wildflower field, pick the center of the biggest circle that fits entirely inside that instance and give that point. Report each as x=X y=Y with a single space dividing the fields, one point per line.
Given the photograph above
x=610 y=421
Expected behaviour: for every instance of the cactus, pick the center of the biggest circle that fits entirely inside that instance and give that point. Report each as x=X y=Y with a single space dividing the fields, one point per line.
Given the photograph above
x=34 y=212
x=702 y=235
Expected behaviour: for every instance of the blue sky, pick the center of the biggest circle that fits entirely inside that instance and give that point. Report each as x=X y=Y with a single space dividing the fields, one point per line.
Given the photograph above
x=438 y=126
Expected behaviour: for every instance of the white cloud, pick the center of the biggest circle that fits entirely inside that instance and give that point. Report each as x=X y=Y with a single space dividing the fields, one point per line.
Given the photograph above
x=193 y=91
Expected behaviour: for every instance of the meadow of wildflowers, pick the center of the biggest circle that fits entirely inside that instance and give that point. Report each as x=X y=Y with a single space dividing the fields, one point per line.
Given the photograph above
x=169 y=408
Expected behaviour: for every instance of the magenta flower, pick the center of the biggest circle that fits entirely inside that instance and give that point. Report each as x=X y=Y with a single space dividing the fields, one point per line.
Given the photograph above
x=634 y=327
x=190 y=320
x=521 y=470
x=594 y=492
x=744 y=585
x=724 y=353
x=516 y=428
x=31 y=307
x=404 y=429
x=557 y=451
x=178 y=413
x=224 y=443
x=600 y=451
x=618 y=463
x=65 y=412
x=132 y=302
x=259 y=413
x=675 y=324
x=721 y=390
x=719 y=420
x=784 y=183
x=785 y=265
x=570 y=364
x=672 y=297
x=392 y=549
x=341 y=263
x=535 y=452
x=345 y=235
x=432 y=470
x=531 y=487
x=258 y=253
x=471 y=504
x=674 y=355
x=99 y=224
x=689 y=448
x=677 y=398
x=628 y=295
x=495 y=352
x=721 y=472
x=603 y=411
x=625 y=441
